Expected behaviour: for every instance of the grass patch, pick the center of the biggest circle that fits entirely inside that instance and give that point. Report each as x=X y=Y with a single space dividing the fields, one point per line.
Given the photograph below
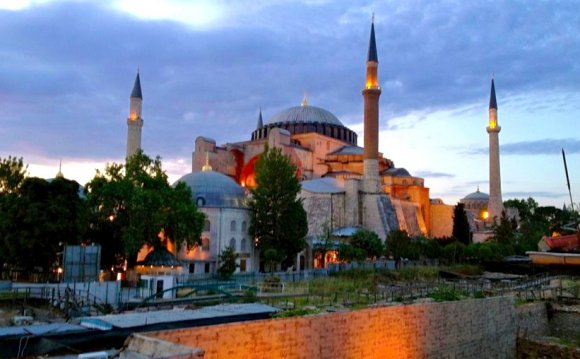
x=446 y=294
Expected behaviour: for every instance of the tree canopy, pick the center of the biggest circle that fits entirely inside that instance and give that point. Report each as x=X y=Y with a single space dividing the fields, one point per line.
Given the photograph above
x=132 y=205
x=278 y=219
x=38 y=218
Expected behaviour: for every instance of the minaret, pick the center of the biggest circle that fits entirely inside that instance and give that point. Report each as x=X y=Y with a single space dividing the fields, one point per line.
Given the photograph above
x=260 y=123
x=495 y=204
x=134 y=122
x=371 y=94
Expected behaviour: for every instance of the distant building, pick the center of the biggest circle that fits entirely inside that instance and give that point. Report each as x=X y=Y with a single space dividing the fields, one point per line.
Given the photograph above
x=343 y=185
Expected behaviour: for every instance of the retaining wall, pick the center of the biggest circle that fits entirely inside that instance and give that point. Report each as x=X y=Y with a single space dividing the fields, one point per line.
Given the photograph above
x=478 y=328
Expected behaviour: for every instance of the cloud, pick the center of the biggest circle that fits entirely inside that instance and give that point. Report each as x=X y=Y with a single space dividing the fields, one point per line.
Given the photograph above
x=430 y=174
x=548 y=146
x=534 y=194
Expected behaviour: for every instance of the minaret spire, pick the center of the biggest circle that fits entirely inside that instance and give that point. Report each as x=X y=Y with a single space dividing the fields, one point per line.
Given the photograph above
x=134 y=121
x=260 y=123
x=495 y=204
x=59 y=174
x=371 y=94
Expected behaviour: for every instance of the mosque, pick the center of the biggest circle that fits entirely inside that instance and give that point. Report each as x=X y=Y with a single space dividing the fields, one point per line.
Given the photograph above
x=344 y=187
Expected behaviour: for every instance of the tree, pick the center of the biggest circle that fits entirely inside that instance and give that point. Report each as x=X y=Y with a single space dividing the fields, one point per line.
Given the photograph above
x=526 y=207
x=324 y=244
x=503 y=231
x=132 y=205
x=461 y=229
x=397 y=244
x=38 y=220
x=12 y=174
x=278 y=219
x=364 y=244
x=227 y=263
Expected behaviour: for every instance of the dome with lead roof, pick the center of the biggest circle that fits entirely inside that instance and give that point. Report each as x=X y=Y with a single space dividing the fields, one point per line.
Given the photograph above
x=214 y=189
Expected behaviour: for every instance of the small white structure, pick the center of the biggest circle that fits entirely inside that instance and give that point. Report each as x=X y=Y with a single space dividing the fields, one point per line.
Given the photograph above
x=156 y=285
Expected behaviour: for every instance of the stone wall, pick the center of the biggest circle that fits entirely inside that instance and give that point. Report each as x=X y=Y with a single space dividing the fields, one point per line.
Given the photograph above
x=478 y=328
x=533 y=320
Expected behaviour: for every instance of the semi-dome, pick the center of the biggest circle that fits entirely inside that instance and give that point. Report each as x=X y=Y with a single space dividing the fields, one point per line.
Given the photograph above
x=305 y=114
x=214 y=189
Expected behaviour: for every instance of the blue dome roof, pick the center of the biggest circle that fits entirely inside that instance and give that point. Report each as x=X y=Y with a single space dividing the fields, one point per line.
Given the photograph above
x=214 y=189
x=305 y=114
x=476 y=196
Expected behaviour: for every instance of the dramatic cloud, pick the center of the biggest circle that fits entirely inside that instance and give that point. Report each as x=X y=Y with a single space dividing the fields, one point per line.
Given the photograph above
x=207 y=67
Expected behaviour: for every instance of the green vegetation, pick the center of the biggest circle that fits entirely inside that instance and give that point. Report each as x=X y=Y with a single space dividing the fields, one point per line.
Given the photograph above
x=38 y=217
x=278 y=219
x=227 y=263
x=364 y=244
x=130 y=204
x=461 y=230
x=446 y=294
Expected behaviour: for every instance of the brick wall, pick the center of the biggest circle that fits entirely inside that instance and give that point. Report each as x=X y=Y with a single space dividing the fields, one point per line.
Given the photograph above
x=478 y=328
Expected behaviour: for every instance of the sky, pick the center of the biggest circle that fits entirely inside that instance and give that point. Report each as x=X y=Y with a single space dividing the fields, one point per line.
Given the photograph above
x=207 y=66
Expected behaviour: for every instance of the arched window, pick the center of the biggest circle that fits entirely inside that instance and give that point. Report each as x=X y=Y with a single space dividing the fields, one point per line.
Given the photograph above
x=244 y=229
x=205 y=243
x=244 y=245
x=207 y=226
x=233 y=244
x=233 y=226
x=200 y=201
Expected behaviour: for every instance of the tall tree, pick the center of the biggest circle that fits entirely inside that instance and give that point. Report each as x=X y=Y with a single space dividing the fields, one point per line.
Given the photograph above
x=461 y=229
x=132 y=205
x=278 y=219
x=504 y=231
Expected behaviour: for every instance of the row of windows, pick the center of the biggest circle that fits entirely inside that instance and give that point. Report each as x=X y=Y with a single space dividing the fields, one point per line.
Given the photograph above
x=233 y=244
x=233 y=226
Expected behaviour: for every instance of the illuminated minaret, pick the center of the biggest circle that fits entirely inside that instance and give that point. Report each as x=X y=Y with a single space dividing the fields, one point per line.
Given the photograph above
x=134 y=122
x=371 y=94
x=495 y=204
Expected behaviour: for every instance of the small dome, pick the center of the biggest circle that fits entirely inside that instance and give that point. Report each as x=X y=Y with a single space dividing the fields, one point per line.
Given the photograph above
x=213 y=189
x=476 y=196
x=305 y=114
x=397 y=172
x=160 y=257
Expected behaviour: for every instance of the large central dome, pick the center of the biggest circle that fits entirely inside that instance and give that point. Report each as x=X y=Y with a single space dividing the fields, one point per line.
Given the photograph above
x=305 y=114
x=306 y=119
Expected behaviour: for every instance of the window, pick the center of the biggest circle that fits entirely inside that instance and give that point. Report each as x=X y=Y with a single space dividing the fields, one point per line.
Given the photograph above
x=244 y=245
x=233 y=244
x=191 y=267
x=244 y=229
x=200 y=201
x=233 y=226
x=242 y=265
x=206 y=269
x=207 y=226
x=205 y=243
